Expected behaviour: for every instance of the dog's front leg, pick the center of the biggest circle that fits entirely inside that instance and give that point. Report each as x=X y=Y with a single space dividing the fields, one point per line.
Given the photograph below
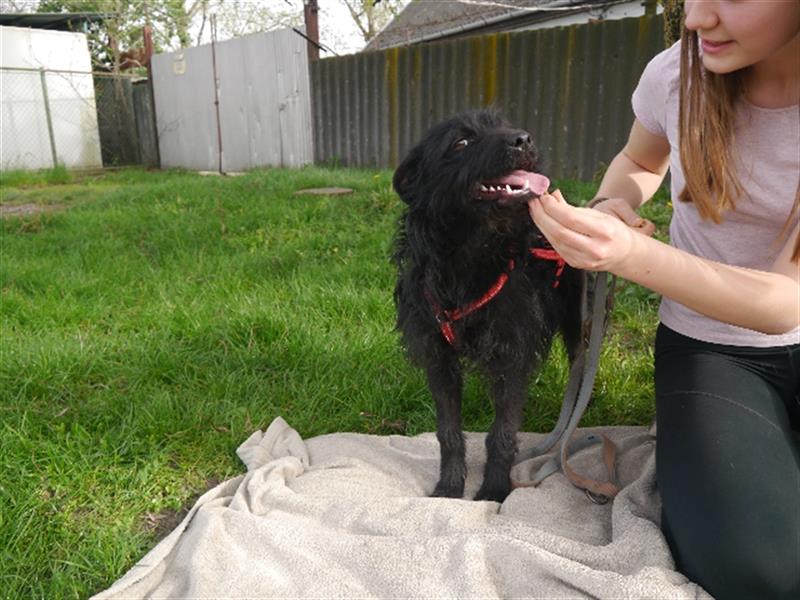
x=445 y=383
x=509 y=392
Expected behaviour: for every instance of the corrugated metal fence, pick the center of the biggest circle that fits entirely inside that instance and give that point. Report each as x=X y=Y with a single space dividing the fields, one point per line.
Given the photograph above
x=569 y=86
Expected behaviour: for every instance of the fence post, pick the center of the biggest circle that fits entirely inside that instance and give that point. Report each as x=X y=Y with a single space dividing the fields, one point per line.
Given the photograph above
x=49 y=117
x=216 y=85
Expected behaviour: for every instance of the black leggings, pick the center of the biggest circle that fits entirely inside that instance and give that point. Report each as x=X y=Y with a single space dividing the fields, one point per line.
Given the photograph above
x=728 y=464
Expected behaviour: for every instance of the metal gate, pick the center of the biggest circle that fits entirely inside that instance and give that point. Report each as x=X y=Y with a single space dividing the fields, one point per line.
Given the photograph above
x=235 y=105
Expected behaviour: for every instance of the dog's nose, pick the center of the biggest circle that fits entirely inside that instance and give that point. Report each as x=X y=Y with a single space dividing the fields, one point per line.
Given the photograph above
x=518 y=139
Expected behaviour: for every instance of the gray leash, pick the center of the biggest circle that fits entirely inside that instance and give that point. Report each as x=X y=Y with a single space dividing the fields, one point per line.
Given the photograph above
x=576 y=399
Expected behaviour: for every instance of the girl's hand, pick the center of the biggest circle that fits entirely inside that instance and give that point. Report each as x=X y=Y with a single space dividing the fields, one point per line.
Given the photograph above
x=588 y=238
x=618 y=207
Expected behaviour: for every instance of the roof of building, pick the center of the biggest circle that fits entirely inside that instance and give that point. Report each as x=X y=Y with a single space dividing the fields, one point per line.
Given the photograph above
x=422 y=21
x=60 y=21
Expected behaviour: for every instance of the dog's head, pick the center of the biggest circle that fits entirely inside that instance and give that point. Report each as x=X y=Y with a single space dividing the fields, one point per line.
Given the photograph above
x=474 y=161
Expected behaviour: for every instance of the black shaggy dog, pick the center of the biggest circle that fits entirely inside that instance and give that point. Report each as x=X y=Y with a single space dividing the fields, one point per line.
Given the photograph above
x=477 y=282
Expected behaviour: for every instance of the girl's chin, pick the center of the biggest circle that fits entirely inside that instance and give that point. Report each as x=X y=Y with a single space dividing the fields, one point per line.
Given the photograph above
x=721 y=65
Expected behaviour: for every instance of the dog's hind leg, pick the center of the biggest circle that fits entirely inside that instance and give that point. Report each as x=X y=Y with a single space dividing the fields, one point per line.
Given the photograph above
x=510 y=392
x=445 y=382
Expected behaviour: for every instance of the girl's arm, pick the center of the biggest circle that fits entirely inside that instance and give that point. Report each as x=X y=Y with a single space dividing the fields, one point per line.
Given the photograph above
x=634 y=176
x=636 y=172
x=766 y=301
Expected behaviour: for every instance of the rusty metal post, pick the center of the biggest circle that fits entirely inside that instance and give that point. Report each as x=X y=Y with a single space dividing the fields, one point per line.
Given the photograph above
x=148 y=56
x=311 y=14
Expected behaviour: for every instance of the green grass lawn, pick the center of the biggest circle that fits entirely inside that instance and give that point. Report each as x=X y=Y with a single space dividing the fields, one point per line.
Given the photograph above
x=152 y=320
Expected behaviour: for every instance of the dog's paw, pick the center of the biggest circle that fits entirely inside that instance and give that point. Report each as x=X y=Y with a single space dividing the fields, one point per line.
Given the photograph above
x=447 y=491
x=494 y=493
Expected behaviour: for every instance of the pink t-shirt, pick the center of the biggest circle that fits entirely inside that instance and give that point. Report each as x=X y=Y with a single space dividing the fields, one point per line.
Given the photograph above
x=768 y=143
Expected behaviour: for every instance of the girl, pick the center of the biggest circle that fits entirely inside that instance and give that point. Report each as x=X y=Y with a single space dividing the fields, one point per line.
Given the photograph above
x=721 y=110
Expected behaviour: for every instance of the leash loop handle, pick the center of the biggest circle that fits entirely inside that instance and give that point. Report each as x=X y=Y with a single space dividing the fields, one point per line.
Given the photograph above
x=576 y=399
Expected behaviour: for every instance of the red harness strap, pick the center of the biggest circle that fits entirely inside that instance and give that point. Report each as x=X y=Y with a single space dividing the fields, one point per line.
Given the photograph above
x=550 y=254
x=446 y=318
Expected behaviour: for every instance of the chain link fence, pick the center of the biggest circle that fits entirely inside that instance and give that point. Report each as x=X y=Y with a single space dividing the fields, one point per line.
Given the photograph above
x=75 y=119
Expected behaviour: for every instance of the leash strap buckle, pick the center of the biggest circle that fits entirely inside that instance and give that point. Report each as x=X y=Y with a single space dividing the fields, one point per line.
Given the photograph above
x=597 y=498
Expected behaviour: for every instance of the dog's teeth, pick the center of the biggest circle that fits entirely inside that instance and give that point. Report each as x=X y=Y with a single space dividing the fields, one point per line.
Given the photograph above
x=484 y=188
x=508 y=189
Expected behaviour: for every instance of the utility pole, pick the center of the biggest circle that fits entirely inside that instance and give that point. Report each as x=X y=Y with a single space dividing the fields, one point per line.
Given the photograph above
x=310 y=11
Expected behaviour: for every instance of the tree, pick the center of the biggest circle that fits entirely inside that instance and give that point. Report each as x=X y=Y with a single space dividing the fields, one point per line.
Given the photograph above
x=18 y=6
x=370 y=16
x=673 y=20
x=116 y=39
x=252 y=17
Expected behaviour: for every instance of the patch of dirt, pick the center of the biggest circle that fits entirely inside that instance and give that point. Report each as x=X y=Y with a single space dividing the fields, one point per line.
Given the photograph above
x=162 y=523
x=22 y=210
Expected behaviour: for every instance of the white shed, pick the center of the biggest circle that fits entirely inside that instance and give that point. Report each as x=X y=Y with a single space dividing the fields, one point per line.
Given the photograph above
x=47 y=102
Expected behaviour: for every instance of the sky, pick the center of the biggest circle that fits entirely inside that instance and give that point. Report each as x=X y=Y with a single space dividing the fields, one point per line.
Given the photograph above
x=337 y=29
x=336 y=26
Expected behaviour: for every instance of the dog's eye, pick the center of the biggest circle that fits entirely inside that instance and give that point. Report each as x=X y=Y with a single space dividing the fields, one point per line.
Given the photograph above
x=461 y=144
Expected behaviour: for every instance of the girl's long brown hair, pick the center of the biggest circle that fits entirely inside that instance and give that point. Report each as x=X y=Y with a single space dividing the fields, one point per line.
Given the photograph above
x=707 y=140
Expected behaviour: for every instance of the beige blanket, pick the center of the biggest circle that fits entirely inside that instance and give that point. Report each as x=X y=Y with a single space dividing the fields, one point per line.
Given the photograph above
x=347 y=515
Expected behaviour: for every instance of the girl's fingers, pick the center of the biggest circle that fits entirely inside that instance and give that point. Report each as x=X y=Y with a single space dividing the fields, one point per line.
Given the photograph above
x=585 y=238
x=543 y=221
x=616 y=207
x=559 y=235
x=585 y=221
x=625 y=213
x=631 y=218
x=646 y=227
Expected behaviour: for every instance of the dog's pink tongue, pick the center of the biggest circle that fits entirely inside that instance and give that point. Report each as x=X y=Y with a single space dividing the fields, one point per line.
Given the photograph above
x=537 y=183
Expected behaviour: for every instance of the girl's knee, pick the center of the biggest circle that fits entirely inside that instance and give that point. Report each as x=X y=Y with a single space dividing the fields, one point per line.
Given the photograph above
x=733 y=555
x=749 y=572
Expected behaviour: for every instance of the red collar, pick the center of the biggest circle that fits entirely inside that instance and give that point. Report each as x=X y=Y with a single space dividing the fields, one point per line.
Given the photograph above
x=445 y=318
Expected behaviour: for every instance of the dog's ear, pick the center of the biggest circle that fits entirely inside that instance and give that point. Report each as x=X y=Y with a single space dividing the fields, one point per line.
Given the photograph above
x=405 y=176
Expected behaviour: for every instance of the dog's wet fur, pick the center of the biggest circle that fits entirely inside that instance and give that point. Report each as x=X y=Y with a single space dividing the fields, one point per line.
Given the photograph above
x=456 y=237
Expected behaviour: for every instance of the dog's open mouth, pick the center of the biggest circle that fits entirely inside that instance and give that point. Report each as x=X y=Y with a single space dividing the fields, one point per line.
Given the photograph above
x=515 y=186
